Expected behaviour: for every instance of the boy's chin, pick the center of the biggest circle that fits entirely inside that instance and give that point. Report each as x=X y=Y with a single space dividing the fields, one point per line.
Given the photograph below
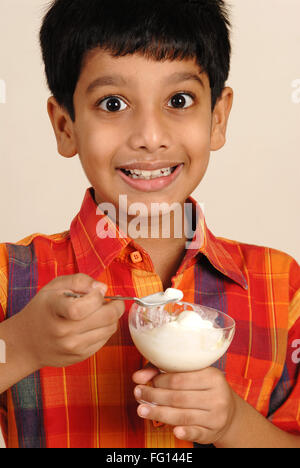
x=150 y=202
x=144 y=204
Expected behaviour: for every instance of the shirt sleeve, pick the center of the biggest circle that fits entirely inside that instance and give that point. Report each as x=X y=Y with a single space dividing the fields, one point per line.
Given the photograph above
x=3 y=281
x=3 y=306
x=285 y=401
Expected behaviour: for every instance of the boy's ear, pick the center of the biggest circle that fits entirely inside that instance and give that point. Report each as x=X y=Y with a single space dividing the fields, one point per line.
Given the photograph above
x=220 y=118
x=63 y=128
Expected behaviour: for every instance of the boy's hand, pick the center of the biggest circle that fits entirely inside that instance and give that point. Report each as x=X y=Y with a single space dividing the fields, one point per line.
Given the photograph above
x=200 y=405
x=58 y=331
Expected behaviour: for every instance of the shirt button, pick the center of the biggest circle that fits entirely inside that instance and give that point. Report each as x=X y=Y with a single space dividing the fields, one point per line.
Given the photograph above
x=136 y=257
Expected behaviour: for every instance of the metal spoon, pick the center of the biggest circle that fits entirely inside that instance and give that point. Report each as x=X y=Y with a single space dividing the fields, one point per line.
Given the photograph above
x=157 y=299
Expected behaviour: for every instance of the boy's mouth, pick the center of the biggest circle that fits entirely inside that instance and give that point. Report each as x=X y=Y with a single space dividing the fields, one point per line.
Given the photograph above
x=150 y=180
x=147 y=175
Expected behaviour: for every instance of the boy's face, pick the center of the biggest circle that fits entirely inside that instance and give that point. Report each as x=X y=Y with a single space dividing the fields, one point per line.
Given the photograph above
x=143 y=113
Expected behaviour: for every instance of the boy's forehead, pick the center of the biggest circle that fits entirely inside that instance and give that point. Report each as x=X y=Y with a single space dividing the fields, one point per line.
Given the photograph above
x=101 y=65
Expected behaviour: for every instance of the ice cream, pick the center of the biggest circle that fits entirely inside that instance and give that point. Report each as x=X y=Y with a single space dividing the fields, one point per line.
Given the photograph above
x=186 y=343
x=171 y=293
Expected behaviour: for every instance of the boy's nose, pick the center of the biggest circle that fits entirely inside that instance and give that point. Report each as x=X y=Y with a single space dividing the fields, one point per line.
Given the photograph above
x=150 y=132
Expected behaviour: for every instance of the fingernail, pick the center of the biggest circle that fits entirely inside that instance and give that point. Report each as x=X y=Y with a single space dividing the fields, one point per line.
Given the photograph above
x=103 y=287
x=179 y=432
x=144 y=411
x=138 y=392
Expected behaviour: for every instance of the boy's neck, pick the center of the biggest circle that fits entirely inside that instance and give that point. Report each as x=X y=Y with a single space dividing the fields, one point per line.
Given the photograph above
x=166 y=256
x=167 y=247
x=166 y=251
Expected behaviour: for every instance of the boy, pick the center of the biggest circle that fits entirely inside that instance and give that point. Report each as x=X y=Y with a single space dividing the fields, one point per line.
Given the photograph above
x=139 y=87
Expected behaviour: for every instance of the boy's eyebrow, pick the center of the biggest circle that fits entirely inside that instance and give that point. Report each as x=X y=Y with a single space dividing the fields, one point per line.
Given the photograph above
x=107 y=80
x=178 y=77
x=117 y=80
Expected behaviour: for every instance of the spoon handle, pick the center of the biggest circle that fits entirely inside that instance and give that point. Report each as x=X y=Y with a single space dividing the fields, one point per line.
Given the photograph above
x=122 y=298
x=77 y=296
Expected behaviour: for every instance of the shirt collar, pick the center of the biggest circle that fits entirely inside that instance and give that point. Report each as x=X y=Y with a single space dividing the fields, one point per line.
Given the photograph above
x=94 y=254
x=205 y=243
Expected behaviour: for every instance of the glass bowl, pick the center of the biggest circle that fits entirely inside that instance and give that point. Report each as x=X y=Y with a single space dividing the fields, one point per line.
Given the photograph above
x=180 y=337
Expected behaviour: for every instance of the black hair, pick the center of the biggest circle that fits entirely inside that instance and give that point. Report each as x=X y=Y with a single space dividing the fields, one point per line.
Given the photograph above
x=159 y=29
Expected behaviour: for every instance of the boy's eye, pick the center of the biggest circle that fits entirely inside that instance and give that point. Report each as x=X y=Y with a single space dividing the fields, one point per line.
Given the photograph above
x=112 y=104
x=116 y=104
x=181 y=101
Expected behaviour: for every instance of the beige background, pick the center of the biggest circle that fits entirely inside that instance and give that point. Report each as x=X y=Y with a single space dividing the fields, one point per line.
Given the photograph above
x=251 y=190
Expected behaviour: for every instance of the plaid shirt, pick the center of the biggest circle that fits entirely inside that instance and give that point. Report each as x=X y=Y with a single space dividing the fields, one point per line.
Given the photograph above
x=91 y=404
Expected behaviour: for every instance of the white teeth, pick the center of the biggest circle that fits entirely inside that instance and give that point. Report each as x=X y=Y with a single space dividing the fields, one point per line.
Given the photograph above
x=138 y=174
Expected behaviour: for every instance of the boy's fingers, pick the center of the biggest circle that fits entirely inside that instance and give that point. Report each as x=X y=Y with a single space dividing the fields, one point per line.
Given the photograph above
x=77 y=309
x=144 y=376
x=174 y=416
x=91 y=310
x=119 y=306
x=79 y=283
x=197 y=380
x=107 y=316
x=174 y=398
x=192 y=434
x=97 y=337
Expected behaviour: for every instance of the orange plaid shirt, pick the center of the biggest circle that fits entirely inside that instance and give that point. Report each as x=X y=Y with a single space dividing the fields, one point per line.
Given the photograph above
x=91 y=404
